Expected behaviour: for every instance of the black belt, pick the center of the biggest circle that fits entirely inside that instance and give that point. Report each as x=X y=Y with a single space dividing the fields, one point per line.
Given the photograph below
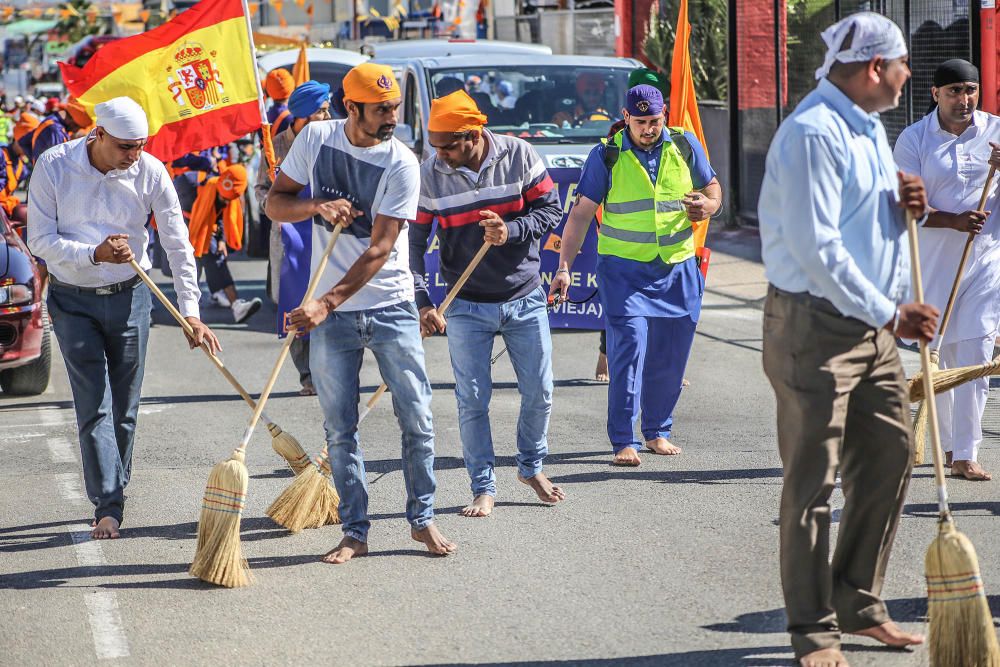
x=103 y=290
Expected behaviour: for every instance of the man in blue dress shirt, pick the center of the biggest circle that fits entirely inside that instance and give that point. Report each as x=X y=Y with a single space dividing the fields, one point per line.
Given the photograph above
x=834 y=242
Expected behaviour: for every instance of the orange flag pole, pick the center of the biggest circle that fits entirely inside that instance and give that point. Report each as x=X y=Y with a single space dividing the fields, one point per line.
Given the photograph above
x=265 y=126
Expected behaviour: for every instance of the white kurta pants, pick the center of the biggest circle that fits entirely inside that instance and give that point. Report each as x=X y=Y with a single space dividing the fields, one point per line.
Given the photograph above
x=960 y=411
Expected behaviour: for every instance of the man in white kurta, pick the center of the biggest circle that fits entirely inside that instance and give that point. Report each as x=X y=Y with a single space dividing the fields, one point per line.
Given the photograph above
x=951 y=149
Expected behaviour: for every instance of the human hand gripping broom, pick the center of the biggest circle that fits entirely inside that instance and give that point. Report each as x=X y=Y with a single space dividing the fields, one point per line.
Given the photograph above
x=218 y=558
x=920 y=423
x=282 y=441
x=961 y=625
x=303 y=505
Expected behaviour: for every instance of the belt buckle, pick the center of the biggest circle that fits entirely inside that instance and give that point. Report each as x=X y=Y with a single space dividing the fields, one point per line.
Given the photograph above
x=104 y=291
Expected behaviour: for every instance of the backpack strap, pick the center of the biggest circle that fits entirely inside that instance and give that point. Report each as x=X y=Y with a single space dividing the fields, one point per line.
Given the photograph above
x=612 y=152
x=683 y=145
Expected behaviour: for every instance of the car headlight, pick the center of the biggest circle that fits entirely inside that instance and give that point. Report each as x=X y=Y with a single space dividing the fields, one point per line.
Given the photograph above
x=15 y=295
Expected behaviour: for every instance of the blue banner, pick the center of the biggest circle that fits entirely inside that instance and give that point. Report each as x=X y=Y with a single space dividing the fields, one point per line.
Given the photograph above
x=586 y=315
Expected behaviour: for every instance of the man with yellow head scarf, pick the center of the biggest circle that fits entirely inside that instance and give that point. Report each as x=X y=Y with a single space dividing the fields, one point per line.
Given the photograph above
x=213 y=208
x=486 y=187
x=360 y=177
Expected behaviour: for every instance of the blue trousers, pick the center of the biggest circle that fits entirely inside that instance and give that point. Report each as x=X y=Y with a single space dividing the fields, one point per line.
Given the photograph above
x=646 y=360
x=103 y=341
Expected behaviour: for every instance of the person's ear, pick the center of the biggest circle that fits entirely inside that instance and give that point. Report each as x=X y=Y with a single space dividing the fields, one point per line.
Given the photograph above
x=876 y=68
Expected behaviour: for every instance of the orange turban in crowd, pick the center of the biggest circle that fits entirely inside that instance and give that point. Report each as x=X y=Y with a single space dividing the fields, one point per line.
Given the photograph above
x=28 y=123
x=78 y=113
x=456 y=112
x=279 y=84
x=229 y=185
x=369 y=83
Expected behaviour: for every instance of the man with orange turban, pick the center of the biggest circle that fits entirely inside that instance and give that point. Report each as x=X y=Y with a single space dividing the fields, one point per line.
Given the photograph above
x=56 y=128
x=279 y=85
x=487 y=187
x=362 y=178
x=590 y=102
x=213 y=208
x=12 y=164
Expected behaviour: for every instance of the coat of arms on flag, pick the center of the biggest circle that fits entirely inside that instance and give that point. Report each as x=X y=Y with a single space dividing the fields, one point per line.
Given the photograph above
x=195 y=78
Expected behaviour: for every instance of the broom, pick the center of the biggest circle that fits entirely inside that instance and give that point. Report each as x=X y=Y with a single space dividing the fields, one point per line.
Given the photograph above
x=920 y=427
x=961 y=626
x=218 y=558
x=300 y=505
x=282 y=442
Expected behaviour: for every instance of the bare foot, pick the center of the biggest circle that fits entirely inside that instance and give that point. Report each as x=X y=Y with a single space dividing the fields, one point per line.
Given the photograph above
x=547 y=492
x=347 y=549
x=436 y=543
x=626 y=457
x=827 y=657
x=601 y=372
x=662 y=446
x=105 y=529
x=685 y=383
x=480 y=506
x=970 y=470
x=892 y=635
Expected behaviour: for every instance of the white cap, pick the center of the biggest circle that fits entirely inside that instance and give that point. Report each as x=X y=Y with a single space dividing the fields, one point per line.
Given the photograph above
x=874 y=35
x=122 y=118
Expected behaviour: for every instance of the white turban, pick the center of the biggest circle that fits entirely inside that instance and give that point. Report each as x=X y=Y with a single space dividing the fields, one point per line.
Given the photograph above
x=874 y=35
x=122 y=118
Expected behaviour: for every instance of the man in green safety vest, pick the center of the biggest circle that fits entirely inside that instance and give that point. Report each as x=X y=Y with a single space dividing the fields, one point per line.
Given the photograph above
x=653 y=181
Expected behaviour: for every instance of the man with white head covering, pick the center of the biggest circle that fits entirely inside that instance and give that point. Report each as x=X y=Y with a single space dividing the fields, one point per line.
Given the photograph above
x=89 y=202
x=834 y=243
x=950 y=149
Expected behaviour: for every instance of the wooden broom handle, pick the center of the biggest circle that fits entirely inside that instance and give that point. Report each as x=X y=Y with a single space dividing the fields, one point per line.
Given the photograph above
x=310 y=290
x=961 y=264
x=451 y=296
x=190 y=332
x=925 y=363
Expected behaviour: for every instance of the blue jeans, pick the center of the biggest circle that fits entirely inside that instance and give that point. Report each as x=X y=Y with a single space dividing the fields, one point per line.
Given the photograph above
x=336 y=348
x=103 y=341
x=524 y=325
x=646 y=360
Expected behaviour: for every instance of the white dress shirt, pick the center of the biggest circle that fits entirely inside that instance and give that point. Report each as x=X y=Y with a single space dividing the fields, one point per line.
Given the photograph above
x=73 y=207
x=954 y=171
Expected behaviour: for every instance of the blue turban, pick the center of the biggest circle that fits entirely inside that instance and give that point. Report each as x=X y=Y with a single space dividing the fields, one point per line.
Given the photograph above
x=308 y=98
x=644 y=100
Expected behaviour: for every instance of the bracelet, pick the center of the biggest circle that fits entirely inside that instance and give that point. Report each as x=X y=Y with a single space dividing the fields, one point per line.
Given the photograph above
x=558 y=271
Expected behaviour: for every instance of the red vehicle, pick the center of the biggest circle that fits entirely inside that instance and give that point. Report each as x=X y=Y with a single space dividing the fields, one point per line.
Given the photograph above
x=25 y=330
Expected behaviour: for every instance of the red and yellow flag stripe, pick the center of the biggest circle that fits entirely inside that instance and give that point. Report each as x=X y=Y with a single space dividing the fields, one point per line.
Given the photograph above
x=194 y=76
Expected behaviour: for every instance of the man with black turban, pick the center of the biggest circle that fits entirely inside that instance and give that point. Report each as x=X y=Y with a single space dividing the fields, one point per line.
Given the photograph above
x=950 y=149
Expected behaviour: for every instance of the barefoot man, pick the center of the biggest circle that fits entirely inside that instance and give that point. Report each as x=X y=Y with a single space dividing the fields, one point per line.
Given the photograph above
x=88 y=205
x=653 y=181
x=927 y=148
x=483 y=186
x=361 y=176
x=834 y=245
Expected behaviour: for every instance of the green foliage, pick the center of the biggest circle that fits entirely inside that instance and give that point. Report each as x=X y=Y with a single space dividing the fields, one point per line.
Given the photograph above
x=805 y=51
x=709 y=43
x=80 y=23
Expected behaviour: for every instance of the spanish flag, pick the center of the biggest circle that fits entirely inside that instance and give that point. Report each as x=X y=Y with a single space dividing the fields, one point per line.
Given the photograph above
x=683 y=101
x=194 y=75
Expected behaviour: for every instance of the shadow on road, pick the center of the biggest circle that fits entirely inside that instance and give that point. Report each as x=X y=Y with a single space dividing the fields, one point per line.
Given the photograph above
x=977 y=508
x=671 y=476
x=756 y=656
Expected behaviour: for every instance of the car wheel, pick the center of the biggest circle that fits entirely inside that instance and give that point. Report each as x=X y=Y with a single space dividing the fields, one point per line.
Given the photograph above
x=31 y=379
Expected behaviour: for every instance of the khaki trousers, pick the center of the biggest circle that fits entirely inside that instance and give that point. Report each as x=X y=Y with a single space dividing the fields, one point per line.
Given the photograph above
x=841 y=405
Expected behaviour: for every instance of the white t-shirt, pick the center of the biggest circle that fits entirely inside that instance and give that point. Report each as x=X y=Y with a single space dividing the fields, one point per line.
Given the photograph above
x=381 y=180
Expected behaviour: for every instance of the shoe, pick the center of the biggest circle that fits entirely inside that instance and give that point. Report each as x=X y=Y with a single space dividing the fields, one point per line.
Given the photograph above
x=242 y=309
x=220 y=299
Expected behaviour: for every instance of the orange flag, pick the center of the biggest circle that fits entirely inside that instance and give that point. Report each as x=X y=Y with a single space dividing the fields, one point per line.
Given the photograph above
x=553 y=243
x=300 y=73
x=683 y=101
x=195 y=94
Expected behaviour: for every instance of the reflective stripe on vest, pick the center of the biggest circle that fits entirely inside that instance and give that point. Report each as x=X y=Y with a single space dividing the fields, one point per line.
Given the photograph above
x=643 y=221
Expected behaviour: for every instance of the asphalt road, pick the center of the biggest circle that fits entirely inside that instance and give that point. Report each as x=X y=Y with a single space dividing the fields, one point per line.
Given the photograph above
x=671 y=563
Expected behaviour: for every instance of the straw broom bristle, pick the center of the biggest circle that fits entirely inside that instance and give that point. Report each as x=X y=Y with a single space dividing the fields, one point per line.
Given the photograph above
x=288 y=448
x=331 y=499
x=920 y=434
x=218 y=558
x=303 y=504
x=961 y=625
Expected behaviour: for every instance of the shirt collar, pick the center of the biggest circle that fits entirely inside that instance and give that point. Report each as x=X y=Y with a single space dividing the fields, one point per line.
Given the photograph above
x=978 y=122
x=857 y=118
x=627 y=144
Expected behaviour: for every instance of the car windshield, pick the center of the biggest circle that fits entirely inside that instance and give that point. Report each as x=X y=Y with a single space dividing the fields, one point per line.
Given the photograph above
x=544 y=103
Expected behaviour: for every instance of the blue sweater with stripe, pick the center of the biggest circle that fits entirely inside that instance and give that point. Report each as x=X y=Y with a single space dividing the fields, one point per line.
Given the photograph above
x=514 y=184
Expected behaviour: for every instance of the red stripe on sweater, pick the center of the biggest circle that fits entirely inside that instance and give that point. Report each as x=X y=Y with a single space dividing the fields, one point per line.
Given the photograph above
x=542 y=188
x=424 y=218
x=470 y=217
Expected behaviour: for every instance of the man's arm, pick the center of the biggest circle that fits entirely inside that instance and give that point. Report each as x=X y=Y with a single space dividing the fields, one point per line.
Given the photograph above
x=43 y=230
x=385 y=231
x=420 y=236
x=285 y=205
x=574 y=233
x=544 y=210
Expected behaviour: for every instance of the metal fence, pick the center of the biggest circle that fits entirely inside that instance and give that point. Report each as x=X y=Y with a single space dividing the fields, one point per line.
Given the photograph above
x=777 y=49
x=580 y=32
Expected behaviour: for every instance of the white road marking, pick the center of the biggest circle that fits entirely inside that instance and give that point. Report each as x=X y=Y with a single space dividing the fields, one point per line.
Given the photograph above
x=69 y=487
x=88 y=551
x=61 y=450
x=106 y=625
x=47 y=422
